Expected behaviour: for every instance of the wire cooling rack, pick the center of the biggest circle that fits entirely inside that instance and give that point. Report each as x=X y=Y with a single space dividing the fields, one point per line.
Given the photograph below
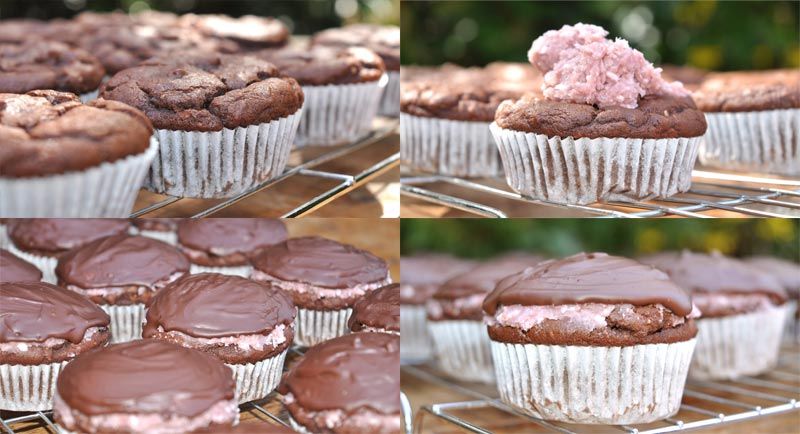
x=345 y=183
x=713 y=193
x=705 y=403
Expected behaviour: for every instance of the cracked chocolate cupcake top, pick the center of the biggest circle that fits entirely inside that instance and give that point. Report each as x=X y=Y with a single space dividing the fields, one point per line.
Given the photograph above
x=37 y=64
x=206 y=91
x=321 y=65
x=14 y=269
x=749 y=91
x=46 y=132
x=54 y=236
x=248 y=32
x=384 y=40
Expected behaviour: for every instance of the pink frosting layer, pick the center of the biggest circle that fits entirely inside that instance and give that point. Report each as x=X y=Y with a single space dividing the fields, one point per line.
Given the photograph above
x=102 y=292
x=371 y=421
x=245 y=342
x=319 y=291
x=711 y=302
x=581 y=65
x=21 y=347
x=436 y=307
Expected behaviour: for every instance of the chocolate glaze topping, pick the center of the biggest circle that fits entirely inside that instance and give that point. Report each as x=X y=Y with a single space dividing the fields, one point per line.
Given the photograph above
x=348 y=373
x=483 y=278
x=209 y=305
x=425 y=272
x=121 y=260
x=321 y=262
x=590 y=278
x=14 y=269
x=145 y=376
x=379 y=309
x=35 y=311
x=225 y=235
x=59 y=235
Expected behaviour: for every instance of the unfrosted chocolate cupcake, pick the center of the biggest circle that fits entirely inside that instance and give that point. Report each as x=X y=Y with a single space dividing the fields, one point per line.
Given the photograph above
x=350 y=384
x=247 y=32
x=325 y=279
x=246 y=324
x=145 y=386
x=122 y=273
x=378 y=311
x=43 y=328
x=15 y=269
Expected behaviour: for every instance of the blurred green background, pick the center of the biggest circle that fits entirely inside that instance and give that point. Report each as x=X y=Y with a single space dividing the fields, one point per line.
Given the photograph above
x=302 y=16
x=717 y=35
x=560 y=237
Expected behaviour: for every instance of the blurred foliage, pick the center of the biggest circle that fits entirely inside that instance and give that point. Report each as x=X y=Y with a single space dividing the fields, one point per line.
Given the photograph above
x=304 y=17
x=724 y=35
x=560 y=237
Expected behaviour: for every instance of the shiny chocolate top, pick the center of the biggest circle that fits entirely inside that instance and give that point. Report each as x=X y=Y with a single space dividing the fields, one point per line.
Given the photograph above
x=224 y=236
x=378 y=309
x=482 y=278
x=59 y=235
x=422 y=274
x=14 y=269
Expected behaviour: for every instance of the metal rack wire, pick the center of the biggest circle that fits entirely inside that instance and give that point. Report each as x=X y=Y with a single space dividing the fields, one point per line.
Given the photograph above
x=747 y=398
x=382 y=128
x=712 y=191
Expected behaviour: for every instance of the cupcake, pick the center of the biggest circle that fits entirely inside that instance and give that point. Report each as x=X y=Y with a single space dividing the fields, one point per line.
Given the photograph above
x=14 y=269
x=788 y=274
x=591 y=339
x=753 y=121
x=224 y=123
x=324 y=278
x=224 y=245
x=350 y=384
x=162 y=229
x=67 y=159
x=455 y=317
x=145 y=386
x=743 y=313
x=420 y=276
x=607 y=126
x=42 y=241
x=37 y=64
x=246 y=324
x=342 y=88
x=378 y=311
x=43 y=328
x=446 y=114
x=121 y=273
x=246 y=33
x=384 y=40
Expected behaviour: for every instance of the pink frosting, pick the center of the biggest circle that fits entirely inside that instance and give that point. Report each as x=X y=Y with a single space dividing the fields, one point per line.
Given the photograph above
x=319 y=291
x=580 y=65
x=103 y=292
x=371 y=421
x=738 y=302
x=435 y=307
x=245 y=342
x=21 y=347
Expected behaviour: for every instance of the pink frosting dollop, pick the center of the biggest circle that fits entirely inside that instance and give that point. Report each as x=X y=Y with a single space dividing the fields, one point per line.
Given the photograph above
x=581 y=65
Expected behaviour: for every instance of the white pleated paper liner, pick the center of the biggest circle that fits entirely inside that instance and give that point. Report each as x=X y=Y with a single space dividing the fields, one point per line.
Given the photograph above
x=448 y=147
x=415 y=343
x=45 y=264
x=126 y=321
x=4 y=240
x=315 y=326
x=338 y=114
x=256 y=380
x=165 y=236
x=89 y=96
x=28 y=387
x=760 y=141
x=738 y=345
x=462 y=349
x=593 y=385
x=223 y=163
x=241 y=271
x=390 y=100
x=107 y=190
x=584 y=171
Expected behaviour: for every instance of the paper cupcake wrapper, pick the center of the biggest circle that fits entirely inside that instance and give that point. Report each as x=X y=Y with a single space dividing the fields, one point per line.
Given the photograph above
x=28 y=387
x=88 y=96
x=761 y=141
x=167 y=237
x=390 y=100
x=242 y=271
x=447 y=147
x=4 y=240
x=223 y=163
x=415 y=343
x=315 y=326
x=593 y=385
x=462 y=349
x=338 y=114
x=790 y=320
x=45 y=264
x=738 y=345
x=126 y=322
x=256 y=380
x=107 y=190
x=584 y=171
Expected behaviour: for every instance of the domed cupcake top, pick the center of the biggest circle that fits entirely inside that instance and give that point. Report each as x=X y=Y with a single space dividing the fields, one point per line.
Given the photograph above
x=378 y=309
x=58 y=235
x=14 y=269
x=224 y=236
x=482 y=278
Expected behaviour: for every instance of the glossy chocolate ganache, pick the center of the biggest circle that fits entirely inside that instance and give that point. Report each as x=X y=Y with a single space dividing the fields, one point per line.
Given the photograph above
x=14 y=269
x=53 y=236
x=224 y=236
x=377 y=311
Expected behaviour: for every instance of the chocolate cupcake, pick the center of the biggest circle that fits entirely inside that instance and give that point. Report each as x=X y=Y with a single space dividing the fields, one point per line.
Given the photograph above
x=145 y=386
x=14 y=269
x=384 y=40
x=43 y=328
x=377 y=312
x=591 y=339
x=162 y=229
x=607 y=126
x=324 y=278
x=420 y=276
x=350 y=384
x=753 y=121
x=455 y=317
x=342 y=88
x=246 y=324
x=122 y=273
x=743 y=312
x=42 y=241
x=247 y=32
x=67 y=159
x=224 y=123
x=224 y=245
